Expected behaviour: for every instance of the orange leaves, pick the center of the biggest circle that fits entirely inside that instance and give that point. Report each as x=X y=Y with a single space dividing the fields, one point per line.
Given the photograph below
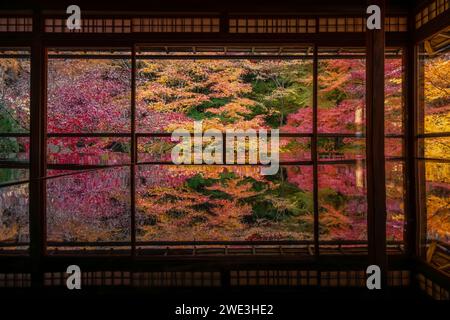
x=177 y=85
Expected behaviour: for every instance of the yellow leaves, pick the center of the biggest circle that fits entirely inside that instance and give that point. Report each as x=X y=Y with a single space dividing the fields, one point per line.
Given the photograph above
x=214 y=172
x=437 y=203
x=235 y=109
x=8 y=233
x=215 y=123
x=239 y=190
x=439 y=122
x=398 y=217
x=438 y=216
x=437 y=79
x=437 y=172
x=437 y=148
x=177 y=85
x=334 y=219
x=149 y=68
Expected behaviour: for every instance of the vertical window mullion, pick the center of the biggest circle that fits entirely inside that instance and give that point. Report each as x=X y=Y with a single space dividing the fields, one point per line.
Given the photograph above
x=133 y=152
x=314 y=155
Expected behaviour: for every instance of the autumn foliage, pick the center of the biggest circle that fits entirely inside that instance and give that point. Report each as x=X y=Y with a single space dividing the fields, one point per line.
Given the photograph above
x=185 y=203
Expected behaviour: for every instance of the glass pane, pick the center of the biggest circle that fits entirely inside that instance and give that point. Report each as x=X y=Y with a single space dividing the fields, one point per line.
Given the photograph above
x=341 y=95
x=89 y=95
x=295 y=149
x=393 y=90
x=235 y=94
x=89 y=206
x=15 y=93
x=58 y=172
x=435 y=148
x=15 y=149
x=340 y=148
x=88 y=151
x=393 y=147
x=436 y=97
x=156 y=149
x=13 y=174
x=223 y=203
x=395 y=205
x=437 y=201
x=342 y=202
x=14 y=219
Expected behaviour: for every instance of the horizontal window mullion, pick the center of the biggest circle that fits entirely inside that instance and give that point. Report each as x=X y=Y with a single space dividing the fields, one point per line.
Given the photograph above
x=281 y=134
x=433 y=135
x=433 y=160
x=284 y=163
x=14 y=164
x=90 y=56
x=12 y=244
x=14 y=56
x=68 y=166
x=340 y=135
x=88 y=135
x=395 y=159
x=88 y=244
x=13 y=183
x=347 y=161
x=223 y=57
x=200 y=243
x=394 y=136
x=14 y=135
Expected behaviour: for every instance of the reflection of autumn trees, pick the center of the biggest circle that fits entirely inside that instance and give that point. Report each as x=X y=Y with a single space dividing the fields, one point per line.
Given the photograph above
x=14 y=214
x=89 y=206
x=221 y=203
x=437 y=120
x=437 y=202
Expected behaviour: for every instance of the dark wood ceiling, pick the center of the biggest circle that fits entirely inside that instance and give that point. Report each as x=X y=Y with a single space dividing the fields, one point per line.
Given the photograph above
x=229 y=6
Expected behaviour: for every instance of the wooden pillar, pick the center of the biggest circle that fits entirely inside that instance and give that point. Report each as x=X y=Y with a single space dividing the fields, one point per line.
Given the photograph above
x=419 y=169
x=376 y=188
x=410 y=92
x=37 y=152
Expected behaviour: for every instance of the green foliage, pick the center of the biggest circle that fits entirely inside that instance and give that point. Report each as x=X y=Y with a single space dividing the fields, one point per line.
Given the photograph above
x=7 y=122
x=9 y=146
x=198 y=112
x=200 y=184
x=256 y=185
x=280 y=203
x=204 y=206
x=280 y=94
x=125 y=147
x=334 y=97
x=330 y=196
x=176 y=214
x=227 y=175
x=9 y=174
